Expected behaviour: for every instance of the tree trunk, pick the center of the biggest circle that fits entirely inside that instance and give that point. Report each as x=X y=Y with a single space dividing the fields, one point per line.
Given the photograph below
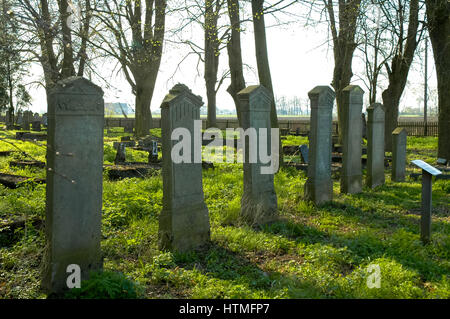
x=438 y=14
x=143 y=116
x=235 y=56
x=262 y=61
x=211 y=58
x=398 y=73
x=391 y=100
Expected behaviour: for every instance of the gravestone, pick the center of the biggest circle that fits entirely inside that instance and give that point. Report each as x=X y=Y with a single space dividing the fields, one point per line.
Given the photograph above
x=351 y=175
x=259 y=200
x=184 y=220
x=304 y=153
x=128 y=127
x=19 y=119
x=375 y=145
x=153 y=153
x=27 y=116
x=319 y=186
x=364 y=125
x=45 y=120
x=428 y=172
x=74 y=181
x=36 y=126
x=121 y=154
x=398 y=154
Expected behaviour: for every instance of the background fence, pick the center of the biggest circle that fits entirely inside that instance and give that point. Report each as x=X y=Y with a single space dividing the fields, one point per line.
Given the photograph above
x=297 y=125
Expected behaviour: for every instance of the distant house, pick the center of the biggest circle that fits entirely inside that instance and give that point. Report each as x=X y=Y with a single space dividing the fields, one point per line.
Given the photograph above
x=118 y=108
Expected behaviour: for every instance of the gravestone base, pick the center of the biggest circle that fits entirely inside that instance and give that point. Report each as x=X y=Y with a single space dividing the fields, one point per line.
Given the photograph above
x=87 y=258
x=192 y=220
x=374 y=181
x=319 y=192
x=351 y=184
x=260 y=209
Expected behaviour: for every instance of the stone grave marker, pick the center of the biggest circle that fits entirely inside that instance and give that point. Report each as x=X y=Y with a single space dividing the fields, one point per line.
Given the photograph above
x=319 y=186
x=304 y=153
x=27 y=117
x=121 y=154
x=259 y=200
x=399 y=154
x=19 y=119
x=375 y=146
x=351 y=176
x=184 y=220
x=74 y=182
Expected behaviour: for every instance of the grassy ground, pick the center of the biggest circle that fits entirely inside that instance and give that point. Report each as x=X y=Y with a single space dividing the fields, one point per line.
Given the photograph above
x=309 y=253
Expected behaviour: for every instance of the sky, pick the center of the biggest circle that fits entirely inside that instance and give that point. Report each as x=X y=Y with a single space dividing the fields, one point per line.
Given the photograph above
x=300 y=59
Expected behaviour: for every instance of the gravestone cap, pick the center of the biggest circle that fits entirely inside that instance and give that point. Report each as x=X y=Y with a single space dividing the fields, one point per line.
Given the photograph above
x=426 y=167
x=324 y=93
x=76 y=96
x=376 y=112
x=355 y=93
x=177 y=92
x=262 y=95
x=399 y=130
x=77 y=85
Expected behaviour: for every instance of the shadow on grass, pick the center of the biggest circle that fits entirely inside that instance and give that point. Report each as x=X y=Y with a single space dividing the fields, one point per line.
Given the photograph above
x=216 y=261
x=403 y=248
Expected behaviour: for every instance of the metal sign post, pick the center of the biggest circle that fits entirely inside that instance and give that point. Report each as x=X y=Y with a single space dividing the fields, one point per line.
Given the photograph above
x=428 y=172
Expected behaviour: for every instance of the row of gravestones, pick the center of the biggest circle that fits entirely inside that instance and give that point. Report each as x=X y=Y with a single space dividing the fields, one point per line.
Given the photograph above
x=74 y=164
x=25 y=120
x=75 y=159
x=319 y=185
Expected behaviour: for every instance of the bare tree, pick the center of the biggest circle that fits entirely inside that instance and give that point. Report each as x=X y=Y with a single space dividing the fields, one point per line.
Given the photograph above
x=376 y=47
x=438 y=14
x=133 y=34
x=235 y=55
x=405 y=44
x=52 y=39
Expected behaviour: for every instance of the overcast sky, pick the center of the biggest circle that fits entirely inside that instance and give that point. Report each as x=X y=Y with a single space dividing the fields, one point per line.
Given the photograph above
x=299 y=57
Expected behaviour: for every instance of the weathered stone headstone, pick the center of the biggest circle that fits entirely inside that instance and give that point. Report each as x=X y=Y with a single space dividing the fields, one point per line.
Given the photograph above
x=399 y=154
x=259 y=200
x=184 y=220
x=27 y=115
x=128 y=127
x=319 y=186
x=304 y=153
x=19 y=119
x=351 y=175
x=153 y=153
x=74 y=181
x=375 y=146
x=36 y=126
x=45 y=120
x=121 y=154
x=364 y=125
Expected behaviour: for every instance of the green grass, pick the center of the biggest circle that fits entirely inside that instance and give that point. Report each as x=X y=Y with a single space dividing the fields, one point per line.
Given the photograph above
x=311 y=252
